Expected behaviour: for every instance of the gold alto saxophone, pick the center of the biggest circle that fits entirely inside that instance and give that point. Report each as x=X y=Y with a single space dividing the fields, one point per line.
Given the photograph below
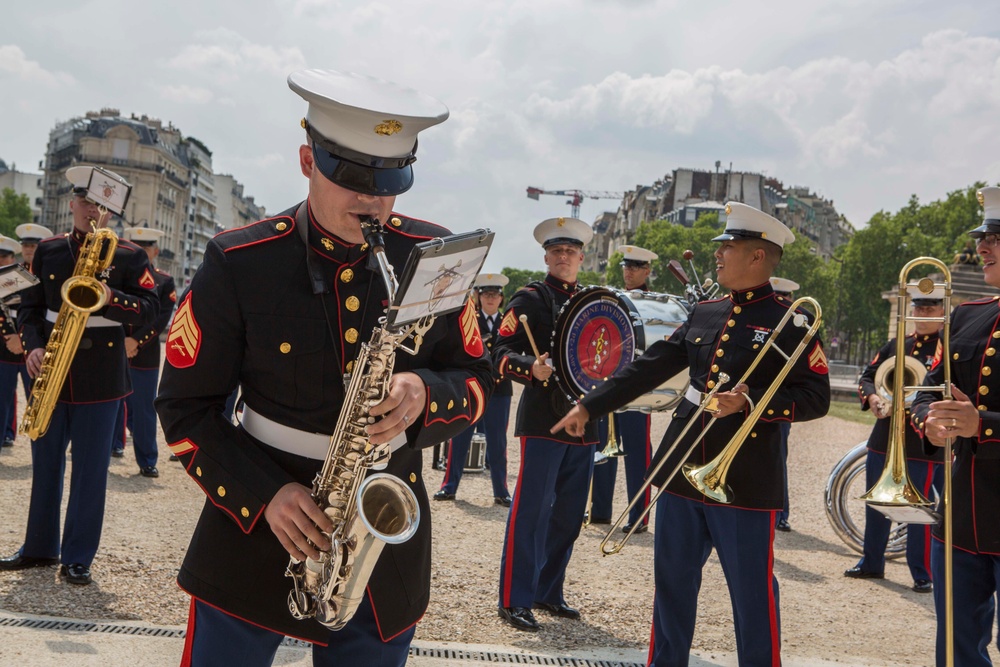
x=367 y=511
x=82 y=294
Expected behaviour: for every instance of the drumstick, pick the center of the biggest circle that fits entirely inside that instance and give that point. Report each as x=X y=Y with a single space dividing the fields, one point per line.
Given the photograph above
x=534 y=348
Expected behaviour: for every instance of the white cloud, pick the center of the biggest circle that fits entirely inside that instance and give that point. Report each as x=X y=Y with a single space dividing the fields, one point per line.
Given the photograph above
x=186 y=94
x=14 y=61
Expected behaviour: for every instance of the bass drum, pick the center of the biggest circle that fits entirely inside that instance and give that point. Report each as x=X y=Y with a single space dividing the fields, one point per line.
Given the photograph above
x=846 y=510
x=600 y=330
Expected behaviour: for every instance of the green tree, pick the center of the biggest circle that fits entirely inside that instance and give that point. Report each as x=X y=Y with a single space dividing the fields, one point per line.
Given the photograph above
x=669 y=241
x=518 y=279
x=15 y=210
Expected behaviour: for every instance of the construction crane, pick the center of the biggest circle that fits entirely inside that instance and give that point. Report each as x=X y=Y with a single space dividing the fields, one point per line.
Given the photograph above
x=576 y=197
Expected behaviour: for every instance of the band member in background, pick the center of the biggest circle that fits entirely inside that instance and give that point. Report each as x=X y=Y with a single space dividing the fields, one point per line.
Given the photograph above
x=723 y=336
x=489 y=290
x=972 y=419
x=30 y=235
x=924 y=469
x=785 y=289
x=631 y=427
x=142 y=347
x=551 y=493
x=12 y=352
x=97 y=381
x=287 y=336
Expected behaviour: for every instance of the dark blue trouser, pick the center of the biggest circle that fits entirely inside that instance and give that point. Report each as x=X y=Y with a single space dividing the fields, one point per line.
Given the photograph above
x=926 y=477
x=544 y=521
x=8 y=398
x=975 y=578
x=686 y=531
x=632 y=430
x=786 y=428
x=136 y=412
x=494 y=425
x=89 y=427
x=216 y=638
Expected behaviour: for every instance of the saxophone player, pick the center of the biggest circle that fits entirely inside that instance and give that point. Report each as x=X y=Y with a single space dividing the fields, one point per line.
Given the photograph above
x=287 y=336
x=88 y=402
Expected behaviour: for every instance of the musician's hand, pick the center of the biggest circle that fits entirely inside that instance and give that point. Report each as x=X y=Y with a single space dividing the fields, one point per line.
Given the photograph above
x=34 y=361
x=880 y=407
x=952 y=419
x=131 y=347
x=574 y=422
x=13 y=342
x=297 y=521
x=540 y=370
x=108 y=295
x=731 y=402
x=404 y=405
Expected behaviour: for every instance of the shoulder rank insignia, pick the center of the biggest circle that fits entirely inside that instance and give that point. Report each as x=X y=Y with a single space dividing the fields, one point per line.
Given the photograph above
x=184 y=339
x=470 y=331
x=817 y=360
x=509 y=324
x=146 y=280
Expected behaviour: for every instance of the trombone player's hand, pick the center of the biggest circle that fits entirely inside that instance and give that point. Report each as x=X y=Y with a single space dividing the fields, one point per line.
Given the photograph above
x=574 y=422
x=880 y=407
x=952 y=419
x=732 y=401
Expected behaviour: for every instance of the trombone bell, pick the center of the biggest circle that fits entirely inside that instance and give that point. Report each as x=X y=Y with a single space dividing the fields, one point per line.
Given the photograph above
x=709 y=482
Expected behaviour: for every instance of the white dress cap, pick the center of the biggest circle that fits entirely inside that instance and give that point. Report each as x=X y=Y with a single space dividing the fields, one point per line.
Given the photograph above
x=8 y=244
x=633 y=253
x=989 y=199
x=784 y=285
x=497 y=280
x=930 y=299
x=32 y=233
x=556 y=231
x=144 y=234
x=746 y=222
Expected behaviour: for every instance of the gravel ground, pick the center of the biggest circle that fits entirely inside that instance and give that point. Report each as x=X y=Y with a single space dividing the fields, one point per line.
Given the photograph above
x=824 y=615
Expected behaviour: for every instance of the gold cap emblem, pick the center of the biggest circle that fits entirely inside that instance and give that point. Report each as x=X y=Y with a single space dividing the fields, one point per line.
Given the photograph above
x=980 y=198
x=561 y=222
x=387 y=128
x=729 y=209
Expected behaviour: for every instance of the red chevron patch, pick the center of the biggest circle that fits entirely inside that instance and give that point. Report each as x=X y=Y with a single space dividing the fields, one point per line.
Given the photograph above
x=184 y=339
x=146 y=280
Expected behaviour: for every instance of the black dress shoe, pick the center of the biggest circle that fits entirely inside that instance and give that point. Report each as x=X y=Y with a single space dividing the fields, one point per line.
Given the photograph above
x=20 y=562
x=149 y=471
x=601 y=521
x=923 y=586
x=505 y=501
x=117 y=452
x=174 y=457
x=641 y=529
x=561 y=609
x=519 y=617
x=857 y=573
x=782 y=525
x=75 y=573
x=444 y=495
x=8 y=442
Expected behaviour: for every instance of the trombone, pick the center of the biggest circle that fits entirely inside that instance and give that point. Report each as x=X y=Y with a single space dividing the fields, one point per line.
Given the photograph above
x=710 y=479
x=893 y=494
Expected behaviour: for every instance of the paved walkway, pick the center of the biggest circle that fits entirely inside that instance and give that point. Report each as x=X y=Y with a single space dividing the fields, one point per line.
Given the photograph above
x=42 y=641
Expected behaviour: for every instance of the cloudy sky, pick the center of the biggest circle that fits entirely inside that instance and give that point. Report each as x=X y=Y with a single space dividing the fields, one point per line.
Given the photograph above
x=864 y=101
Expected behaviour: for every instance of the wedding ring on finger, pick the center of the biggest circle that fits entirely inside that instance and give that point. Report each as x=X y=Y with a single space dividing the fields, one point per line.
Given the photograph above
x=406 y=419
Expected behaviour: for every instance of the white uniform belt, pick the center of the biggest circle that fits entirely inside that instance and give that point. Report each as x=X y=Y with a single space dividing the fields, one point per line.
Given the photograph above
x=694 y=395
x=303 y=443
x=285 y=438
x=92 y=321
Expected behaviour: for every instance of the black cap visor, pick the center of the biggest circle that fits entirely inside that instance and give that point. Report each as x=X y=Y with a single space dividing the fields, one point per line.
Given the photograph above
x=990 y=226
x=563 y=240
x=926 y=302
x=367 y=174
x=634 y=263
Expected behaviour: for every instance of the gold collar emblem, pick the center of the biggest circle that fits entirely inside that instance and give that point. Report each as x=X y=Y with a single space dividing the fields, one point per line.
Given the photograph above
x=387 y=128
x=327 y=243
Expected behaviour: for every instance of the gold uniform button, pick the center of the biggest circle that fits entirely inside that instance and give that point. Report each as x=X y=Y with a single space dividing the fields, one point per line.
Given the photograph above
x=346 y=276
x=984 y=390
x=725 y=337
x=451 y=404
x=52 y=276
x=719 y=352
x=770 y=412
x=753 y=434
x=987 y=370
x=221 y=491
x=281 y=226
x=996 y=334
x=710 y=384
x=990 y=351
x=111 y=344
x=413 y=478
x=465 y=402
x=737 y=310
x=434 y=406
x=285 y=348
x=731 y=323
x=755 y=346
x=350 y=365
x=197 y=471
x=352 y=304
x=396 y=222
x=786 y=413
x=351 y=335
x=698 y=339
x=955 y=356
x=715 y=368
x=245 y=512
x=989 y=431
x=982 y=408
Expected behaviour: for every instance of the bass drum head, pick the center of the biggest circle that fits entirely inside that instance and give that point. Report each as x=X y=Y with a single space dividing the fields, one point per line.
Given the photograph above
x=655 y=317
x=592 y=340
